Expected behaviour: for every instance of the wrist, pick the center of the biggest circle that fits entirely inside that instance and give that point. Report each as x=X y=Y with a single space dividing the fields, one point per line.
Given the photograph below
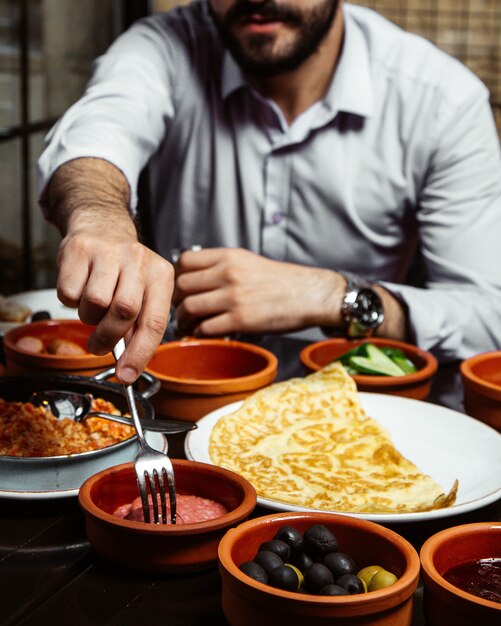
x=328 y=309
x=87 y=194
x=109 y=220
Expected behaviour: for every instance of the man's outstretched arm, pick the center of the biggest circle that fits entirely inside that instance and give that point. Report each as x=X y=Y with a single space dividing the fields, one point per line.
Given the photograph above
x=118 y=285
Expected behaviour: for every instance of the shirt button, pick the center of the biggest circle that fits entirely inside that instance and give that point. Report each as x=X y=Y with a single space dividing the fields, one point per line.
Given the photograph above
x=276 y=218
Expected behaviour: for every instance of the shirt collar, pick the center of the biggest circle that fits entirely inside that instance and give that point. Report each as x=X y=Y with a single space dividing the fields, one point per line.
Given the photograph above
x=351 y=89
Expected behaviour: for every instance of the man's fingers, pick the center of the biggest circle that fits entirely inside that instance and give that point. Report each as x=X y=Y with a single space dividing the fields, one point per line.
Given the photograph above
x=191 y=260
x=147 y=334
x=72 y=277
x=198 y=281
x=199 y=306
x=101 y=291
x=217 y=326
x=121 y=316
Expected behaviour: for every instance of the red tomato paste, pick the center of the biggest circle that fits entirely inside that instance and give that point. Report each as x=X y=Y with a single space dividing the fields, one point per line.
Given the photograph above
x=190 y=510
x=481 y=578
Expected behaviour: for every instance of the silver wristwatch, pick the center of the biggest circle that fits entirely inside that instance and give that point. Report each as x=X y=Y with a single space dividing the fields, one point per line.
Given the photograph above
x=362 y=308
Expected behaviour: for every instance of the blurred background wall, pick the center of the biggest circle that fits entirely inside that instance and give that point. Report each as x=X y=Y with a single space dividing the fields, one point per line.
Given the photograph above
x=46 y=51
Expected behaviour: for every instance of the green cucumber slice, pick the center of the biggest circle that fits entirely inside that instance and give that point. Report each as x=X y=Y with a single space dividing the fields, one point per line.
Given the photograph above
x=366 y=365
x=357 y=351
x=392 y=352
x=398 y=356
x=405 y=364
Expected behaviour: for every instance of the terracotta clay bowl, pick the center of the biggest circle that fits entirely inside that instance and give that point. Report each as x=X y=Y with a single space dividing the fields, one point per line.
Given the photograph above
x=417 y=385
x=200 y=375
x=163 y=548
x=247 y=602
x=445 y=603
x=21 y=361
x=481 y=376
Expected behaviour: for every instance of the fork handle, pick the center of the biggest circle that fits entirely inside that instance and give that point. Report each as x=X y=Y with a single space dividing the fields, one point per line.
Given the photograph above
x=118 y=350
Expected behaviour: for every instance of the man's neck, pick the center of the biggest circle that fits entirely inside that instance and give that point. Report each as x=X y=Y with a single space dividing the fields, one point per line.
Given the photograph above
x=296 y=91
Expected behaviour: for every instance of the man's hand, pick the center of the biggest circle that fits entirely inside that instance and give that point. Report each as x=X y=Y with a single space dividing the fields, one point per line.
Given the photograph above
x=118 y=285
x=220 y=291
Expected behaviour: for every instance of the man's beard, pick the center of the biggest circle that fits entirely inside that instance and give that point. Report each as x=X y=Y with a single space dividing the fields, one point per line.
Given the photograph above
x=255 y=54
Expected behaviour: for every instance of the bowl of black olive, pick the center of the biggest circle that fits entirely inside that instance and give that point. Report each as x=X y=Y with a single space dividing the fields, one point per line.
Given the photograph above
x=311 y=569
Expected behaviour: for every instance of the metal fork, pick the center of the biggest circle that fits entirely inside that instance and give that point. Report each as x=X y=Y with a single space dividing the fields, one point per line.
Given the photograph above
x=153 y=469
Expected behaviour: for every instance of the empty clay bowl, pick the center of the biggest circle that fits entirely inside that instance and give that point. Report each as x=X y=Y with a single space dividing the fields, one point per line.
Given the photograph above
x=481 y=376
x=247 y=602
x=415 y=385
x=163 y=548
x=200 y=375
x=22 y=361
x=444 y=603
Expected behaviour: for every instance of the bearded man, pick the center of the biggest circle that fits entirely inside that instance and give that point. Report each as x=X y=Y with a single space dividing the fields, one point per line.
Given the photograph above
x=308 y=147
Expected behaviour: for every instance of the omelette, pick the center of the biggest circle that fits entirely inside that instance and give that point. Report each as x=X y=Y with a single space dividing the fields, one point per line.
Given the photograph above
x=308 y=442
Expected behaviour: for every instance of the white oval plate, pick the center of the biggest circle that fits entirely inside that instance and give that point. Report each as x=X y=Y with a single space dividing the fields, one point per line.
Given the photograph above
x=442 y=443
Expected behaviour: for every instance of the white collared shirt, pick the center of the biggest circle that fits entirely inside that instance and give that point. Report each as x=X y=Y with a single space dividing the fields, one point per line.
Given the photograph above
x=402 y=148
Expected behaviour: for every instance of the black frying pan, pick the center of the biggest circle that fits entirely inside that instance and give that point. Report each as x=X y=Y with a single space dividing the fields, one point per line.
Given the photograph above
x=20 y=388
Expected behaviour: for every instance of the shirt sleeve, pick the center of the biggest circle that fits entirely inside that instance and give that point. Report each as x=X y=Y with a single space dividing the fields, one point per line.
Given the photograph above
x=123 y=114
x=459 y=313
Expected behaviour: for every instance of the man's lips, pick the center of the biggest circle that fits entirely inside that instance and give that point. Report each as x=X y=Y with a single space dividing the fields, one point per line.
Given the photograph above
x=259 y=24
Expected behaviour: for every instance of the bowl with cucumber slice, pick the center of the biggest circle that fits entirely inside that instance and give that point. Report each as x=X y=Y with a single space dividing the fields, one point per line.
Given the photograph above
x=377 y=364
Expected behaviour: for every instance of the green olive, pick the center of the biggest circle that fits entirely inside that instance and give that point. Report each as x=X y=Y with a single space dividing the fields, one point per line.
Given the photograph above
x=284 y=577
x=298 y=572
x=368 y=572
x=381 y=580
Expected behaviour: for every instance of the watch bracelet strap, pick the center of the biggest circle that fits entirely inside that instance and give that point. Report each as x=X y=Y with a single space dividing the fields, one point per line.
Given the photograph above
x=351 y=328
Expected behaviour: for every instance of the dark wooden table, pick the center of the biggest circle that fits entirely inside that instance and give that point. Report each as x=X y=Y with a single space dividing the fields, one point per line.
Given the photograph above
x=49 y=573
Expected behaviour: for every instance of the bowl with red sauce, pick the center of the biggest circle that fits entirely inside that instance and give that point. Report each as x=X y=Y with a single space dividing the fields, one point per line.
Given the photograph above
x=198 y=376
x=461 y=572
x=414 y=385
x=210 y=500
x=481 y=377
x=57 y=346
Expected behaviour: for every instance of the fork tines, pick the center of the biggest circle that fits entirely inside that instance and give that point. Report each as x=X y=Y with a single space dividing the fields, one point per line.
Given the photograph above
x=152 y=489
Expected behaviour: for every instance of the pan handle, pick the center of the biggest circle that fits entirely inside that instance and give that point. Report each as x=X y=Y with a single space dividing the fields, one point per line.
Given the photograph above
x=153 y=383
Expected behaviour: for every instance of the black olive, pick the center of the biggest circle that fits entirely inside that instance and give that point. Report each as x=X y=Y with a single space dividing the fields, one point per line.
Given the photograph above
x=351 y=583
x=292 y=537
x=319 y=541
x=278 y=547
x=334 y=590
x=303 y=561
x=255 y=571
x=317 y=577
x=40 y=315
x=268 y=560
x=284 y=577
x=340 y=563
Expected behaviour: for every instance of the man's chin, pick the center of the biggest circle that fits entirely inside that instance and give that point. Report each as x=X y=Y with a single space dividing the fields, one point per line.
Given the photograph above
x=266 y=63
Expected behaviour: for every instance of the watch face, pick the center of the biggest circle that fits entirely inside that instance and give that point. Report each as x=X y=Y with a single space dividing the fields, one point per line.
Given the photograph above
x=367 y=308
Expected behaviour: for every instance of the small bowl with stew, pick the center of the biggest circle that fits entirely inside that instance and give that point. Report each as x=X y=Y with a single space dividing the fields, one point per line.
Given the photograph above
x=189 y=545
x=198 y=376
x=461 y=573
x=414 y=385
x=481 y=376
x=249 y=598
x=57 y=346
